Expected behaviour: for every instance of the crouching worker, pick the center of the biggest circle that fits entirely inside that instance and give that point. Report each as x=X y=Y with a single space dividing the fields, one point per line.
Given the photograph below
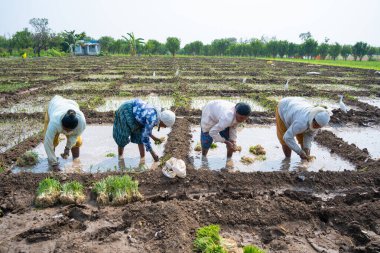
x=63 y=117
x=219 y=121
x=295 y=117
x=134 y=122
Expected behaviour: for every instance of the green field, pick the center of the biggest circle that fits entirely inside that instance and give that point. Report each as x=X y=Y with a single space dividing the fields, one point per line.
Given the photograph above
x=375 y=65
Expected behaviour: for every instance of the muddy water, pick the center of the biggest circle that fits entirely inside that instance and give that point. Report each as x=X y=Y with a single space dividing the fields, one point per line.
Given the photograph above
x=335 y=87
x=320 y=101
x=199 y=102
x=362 y=137
x=113 y=103
x=37 y=104
x=85 y=85
x=374 y=101
x=97 y=144
x=265 y=136
x=14 y=132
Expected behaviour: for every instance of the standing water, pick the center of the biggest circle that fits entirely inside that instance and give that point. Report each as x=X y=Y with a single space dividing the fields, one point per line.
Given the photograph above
x=200 y=102
x=98 y=153
x=113 y=103
x=275 y=160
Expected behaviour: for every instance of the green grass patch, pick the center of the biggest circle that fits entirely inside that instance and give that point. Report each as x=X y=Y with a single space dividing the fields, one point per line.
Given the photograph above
x=48 y=192
x=180 y=100
x=110 y=155
x=265 y=102
x=92 y=102
x=11 y=87
x=125 y=94
x=375 y=65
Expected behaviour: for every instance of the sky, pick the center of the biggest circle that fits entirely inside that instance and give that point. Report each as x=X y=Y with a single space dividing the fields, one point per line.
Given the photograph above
x=342 y=21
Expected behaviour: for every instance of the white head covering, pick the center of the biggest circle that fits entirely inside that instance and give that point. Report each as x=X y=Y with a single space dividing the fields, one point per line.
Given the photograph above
x=321 y=115
x=168 y=118
x=322 y=118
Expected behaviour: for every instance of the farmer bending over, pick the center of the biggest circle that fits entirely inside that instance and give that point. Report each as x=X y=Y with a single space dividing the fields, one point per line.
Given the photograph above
x=134 y=122
x=219 y=121
x=63 y=117
x=295 y=117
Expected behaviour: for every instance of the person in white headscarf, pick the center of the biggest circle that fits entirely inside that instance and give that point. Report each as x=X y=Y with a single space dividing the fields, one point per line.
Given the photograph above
x=295 y=117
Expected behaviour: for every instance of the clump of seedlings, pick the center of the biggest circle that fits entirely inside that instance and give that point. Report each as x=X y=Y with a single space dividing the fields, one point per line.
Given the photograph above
x=198 y=147
x=100 y=188
x=72 y=193
x=213 y=145
x=246 y=160
x=29 y=158
x=207 y=239
x=257 y=150
x=110 y=155
x=252 y=249
x=48 y=192
x=117 y=190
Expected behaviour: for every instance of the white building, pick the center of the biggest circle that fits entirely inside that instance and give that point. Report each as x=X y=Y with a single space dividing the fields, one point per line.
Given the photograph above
x=91 y=47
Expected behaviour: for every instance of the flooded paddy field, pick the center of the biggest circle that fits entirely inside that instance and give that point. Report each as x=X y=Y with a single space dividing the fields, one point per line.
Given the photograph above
x=328 y=205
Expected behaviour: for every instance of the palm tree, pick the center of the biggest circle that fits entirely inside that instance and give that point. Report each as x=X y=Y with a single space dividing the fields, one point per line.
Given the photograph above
x=70 y=39
x=133 y=43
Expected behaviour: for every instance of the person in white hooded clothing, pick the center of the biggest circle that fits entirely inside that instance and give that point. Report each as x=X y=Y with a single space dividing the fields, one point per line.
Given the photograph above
x=295 y=117
x=63 y=117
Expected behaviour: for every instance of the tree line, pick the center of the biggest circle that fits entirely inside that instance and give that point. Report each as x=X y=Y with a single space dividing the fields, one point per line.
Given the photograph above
x=42 y=41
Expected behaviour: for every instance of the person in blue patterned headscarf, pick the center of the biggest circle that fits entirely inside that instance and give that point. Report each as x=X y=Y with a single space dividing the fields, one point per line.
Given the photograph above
x=134 y=122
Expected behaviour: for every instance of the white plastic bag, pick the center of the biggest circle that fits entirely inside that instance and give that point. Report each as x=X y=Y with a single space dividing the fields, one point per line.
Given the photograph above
x=174 y=167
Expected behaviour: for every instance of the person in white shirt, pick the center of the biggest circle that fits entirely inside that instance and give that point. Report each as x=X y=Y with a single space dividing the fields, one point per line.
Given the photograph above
x=295 y=117
x=219 y=121
x=63 y=116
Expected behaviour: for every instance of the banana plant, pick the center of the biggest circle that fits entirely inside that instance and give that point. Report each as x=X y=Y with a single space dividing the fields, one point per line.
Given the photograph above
x=134 y=43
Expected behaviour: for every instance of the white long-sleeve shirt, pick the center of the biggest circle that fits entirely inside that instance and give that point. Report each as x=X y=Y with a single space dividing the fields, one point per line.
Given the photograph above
x=295 y=113
x=217 y=115
x=57 y=109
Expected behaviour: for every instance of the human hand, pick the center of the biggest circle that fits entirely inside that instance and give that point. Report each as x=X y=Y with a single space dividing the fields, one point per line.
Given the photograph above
x=304 y=156
x=159 y=140
x=155 y=157
x=65 y=153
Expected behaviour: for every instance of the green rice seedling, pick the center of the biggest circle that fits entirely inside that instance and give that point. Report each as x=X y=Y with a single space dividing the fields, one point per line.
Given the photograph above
x=48 y=192
x=252 y=249
x=198 y=147
x=110 y=155
x=164 y=158
x=208 y=240
x=72 y=193
x=261 y=157
x=213 y=145
x=117 y=190
x=246 y=160
x=159 y=141
x=29 y=158
x=100 y=188
x=257 y=150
